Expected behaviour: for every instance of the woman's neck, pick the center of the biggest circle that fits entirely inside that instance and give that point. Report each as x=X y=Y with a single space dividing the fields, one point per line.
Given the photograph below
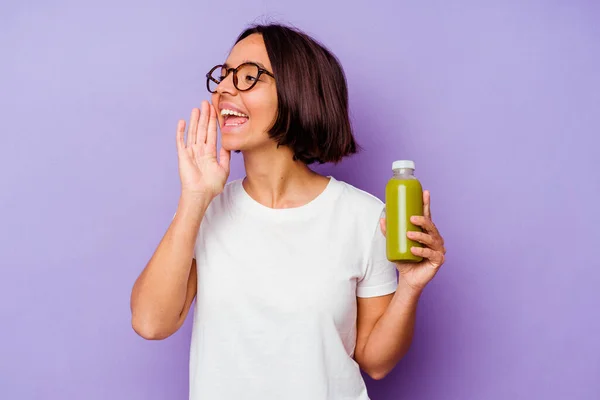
x=275 y=180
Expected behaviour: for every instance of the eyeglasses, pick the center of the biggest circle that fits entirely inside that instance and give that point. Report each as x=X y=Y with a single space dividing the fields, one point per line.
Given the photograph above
x=245 y=76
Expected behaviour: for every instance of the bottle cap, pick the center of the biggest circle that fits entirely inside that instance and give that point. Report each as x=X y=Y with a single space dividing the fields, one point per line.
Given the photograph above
x=401 y=164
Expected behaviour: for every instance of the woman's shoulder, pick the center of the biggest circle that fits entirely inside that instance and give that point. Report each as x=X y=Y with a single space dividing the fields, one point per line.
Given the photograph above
x=359 y=197
x=361 y=210
x=358 y=205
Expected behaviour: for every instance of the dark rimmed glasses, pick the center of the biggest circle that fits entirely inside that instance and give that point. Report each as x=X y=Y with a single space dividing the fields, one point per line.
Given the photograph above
x=245 y=76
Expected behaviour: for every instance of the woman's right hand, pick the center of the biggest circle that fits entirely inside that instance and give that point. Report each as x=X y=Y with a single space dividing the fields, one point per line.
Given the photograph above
x=201 y=173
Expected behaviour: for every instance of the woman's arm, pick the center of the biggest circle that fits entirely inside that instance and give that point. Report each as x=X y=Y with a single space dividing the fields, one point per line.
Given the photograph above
x=385 y=326
x=164 y=291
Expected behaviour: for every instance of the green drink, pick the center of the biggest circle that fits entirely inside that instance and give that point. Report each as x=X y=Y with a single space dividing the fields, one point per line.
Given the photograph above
x=403 y=199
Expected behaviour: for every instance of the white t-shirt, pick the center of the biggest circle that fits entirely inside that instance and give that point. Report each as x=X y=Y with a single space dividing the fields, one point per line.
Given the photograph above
x=275 y=313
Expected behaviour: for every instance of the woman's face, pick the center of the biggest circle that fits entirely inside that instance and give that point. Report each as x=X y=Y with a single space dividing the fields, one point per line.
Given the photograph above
x=259 y=104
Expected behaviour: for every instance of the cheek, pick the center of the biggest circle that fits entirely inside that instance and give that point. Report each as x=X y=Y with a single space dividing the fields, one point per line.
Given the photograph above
x=269 y=111
x=273 y=105
x=273 y=110
x=263 y=110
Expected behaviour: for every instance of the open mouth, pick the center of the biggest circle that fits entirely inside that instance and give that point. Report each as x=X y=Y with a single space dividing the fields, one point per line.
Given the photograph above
x=233 y=118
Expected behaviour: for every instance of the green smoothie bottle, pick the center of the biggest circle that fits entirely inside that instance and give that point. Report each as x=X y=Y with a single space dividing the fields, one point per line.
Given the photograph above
x=403 y=199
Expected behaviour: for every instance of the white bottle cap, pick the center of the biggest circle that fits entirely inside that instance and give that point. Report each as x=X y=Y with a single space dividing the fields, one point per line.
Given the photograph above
x=402 y=164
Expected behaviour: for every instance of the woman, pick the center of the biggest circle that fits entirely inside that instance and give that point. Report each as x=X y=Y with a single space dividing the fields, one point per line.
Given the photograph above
x=294 y=291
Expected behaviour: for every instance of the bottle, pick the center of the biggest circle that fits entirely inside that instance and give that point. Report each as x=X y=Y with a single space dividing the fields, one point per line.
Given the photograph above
x=403 y=199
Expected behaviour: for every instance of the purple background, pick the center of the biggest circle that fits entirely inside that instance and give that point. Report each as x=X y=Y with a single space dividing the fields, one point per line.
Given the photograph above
x=497 y=102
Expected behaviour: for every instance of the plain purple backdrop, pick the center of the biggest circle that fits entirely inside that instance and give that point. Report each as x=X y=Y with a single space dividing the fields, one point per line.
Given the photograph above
x=497 y=102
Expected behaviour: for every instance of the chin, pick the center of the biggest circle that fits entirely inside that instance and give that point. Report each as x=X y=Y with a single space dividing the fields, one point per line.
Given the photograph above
x=243 y=142
x=232 y=144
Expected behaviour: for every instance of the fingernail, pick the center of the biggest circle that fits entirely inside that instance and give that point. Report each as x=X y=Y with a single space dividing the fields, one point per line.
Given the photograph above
x=413 y=219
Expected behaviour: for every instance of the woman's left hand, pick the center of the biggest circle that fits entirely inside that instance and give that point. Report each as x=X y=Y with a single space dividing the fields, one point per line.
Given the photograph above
x=417 y=275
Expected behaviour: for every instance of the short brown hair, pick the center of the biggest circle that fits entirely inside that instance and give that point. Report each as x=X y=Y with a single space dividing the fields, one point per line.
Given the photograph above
x=312 y=94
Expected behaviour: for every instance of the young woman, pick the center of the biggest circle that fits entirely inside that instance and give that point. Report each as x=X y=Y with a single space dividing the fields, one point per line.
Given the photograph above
x=294 y=294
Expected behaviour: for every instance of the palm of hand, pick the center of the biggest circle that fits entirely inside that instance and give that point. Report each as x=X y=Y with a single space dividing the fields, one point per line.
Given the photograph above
x=200 y=171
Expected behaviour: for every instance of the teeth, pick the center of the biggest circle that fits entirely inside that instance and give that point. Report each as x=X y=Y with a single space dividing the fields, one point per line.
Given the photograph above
x=231 y=112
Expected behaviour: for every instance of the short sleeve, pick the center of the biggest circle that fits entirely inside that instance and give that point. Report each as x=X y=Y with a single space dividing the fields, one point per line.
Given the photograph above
x=380 y=277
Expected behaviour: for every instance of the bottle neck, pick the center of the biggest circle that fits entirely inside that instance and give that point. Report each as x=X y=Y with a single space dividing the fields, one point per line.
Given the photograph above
x=404 y=173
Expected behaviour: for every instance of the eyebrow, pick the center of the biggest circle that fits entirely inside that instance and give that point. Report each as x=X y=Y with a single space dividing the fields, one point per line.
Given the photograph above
x=247 y=61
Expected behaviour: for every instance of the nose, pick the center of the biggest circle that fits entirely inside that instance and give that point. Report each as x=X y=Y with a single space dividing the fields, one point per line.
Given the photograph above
x=227 y=86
